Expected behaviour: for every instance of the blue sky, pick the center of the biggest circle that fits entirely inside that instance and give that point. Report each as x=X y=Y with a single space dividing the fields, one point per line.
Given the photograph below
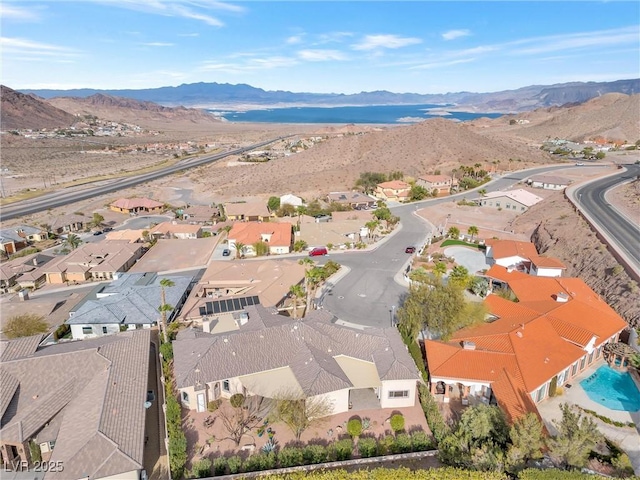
x=322 y=47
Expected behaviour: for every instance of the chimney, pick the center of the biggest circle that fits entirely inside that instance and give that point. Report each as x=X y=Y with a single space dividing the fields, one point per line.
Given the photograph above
x=468 y=345
x=35 y=261
x=23 y=295
x=562 y=297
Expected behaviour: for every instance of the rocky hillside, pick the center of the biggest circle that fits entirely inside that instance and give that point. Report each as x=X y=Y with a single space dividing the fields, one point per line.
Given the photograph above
x=558 y=229
x=127 y=110
x=18 y=111
x=613 y=117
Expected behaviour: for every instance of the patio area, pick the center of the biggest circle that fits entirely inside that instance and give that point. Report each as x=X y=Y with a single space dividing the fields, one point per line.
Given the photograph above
x=206 y=432
x=628 y=438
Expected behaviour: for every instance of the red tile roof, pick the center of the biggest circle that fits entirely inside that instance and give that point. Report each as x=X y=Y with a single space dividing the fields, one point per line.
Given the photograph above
x=251 y=232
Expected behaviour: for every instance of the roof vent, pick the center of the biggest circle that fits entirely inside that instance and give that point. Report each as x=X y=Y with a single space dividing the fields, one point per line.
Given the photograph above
x=519 y=334
x=226 y=340
x=562 y=297
x=468 y=345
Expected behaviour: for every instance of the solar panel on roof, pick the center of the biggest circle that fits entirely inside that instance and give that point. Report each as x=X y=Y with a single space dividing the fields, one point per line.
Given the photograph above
x=229 y=305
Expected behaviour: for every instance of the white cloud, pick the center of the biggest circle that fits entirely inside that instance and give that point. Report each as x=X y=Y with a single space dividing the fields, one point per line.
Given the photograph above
x=188 y=34
x=157 y=44
x=14 y=12
x=374 y=42
x=321 y=55
x=21 y=46
x=333 y=37
x=433 y=65
x=294 y=39
x=453 y=34
x=249 y=64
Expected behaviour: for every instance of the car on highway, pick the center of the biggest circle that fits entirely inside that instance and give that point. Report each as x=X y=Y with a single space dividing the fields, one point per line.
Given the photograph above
x=226 y=252
x=410 y=250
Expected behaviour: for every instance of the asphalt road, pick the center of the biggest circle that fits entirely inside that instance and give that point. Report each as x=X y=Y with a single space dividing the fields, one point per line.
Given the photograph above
x=76 y=194
x=369 y=295
x=619 y=229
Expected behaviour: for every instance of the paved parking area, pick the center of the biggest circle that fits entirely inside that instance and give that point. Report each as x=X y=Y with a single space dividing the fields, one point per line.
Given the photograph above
x=173 y=255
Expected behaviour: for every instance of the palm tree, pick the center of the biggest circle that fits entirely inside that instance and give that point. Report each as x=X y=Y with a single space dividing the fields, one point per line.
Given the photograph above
x=73 y=241
x=296 y=292
x=473 y=230
x=239 y=249
x=164 y=306
x=454 y=232
x=371 y=227
x=439 y=269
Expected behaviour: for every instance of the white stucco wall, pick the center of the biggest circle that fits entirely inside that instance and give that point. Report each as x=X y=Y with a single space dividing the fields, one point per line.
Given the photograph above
x=508 y=261
x=96 y=331
x=339 y=399
x=395 y=385
x=278 y=250
x=546 y=272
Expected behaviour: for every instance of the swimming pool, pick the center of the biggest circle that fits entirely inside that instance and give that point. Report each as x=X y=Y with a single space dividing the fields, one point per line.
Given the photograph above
x=612 y=389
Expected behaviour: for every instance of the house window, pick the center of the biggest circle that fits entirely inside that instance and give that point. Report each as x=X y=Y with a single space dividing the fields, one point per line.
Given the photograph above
x=497 y=204
x=541 y=393
x=582 y=362
x=599 y=352
x=591 y=357
x=104 y=330
x=225 y=386
x=574 y=369
x=185 y=397
x=87 y=330
x=399 y=394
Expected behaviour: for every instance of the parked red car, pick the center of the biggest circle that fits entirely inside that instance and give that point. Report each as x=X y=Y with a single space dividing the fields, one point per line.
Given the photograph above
x=318 y=251
x=410 y=250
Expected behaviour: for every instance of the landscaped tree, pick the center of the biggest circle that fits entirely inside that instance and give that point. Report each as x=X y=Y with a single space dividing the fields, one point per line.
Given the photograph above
x=482 y=192
x=459 y=276
x=273 y=204
x=439 y=269
x=286 y=210
x=479 y=286
x=369 y=180
x=527 y=442
x=371 y=227
x=46 y=227
x=577 y=435
x=97 y=219
x=296 y=292
x=473 y=231
x=453 y=232
x=164 y=306
x=73 y=241
x=418 y=193
x=238 y=421
x=25 y=325
x=299 y=245
x=239 y=249
x=261 y=248
x=299 y=413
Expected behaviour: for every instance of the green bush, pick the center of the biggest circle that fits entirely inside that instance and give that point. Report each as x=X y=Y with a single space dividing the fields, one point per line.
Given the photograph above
x=201 y=468
x=36 y=453
x=166 y=350
x=234 y=463
x=402 y=444
x=213 y=405
x=420 y=441
x=260 y=461
x=219 y=465
x=386 y=445
x=397 y=423
x=236 y=400
x=552 y=474
x=436 y=422
x=313 y=454
x=290 y=457
x=368 y=447
x=354 y=427
x=344 y=449
x=174 y=418
x=177 y=454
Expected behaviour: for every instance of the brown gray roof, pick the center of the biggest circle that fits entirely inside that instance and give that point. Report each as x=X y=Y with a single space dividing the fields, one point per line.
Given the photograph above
x=18 y=348
x=95 y=391
x=308 y=347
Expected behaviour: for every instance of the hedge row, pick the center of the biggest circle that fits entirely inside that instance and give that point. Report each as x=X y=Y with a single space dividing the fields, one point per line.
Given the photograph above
x=437 y=425
x=401 y=473
x=314 y=454
x=177 y=439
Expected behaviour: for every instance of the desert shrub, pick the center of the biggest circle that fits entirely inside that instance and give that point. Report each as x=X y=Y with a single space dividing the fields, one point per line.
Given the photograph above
x=313 y=454
x=219 y=466
x=213 y=405
x=420 y=441
x=166 y=350
x=290 y=457
x=261 y=461
x=236 y=400
x=234 y=463
x=397 y=423
x=552 y=474
x=344 y=449
x=201 y=468
x=368 y=447
x=402 y=444
x=386 y=445
x=622 y=464
x=354 y=427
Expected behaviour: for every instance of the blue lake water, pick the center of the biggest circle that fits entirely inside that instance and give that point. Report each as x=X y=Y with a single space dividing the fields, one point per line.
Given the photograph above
x=612 y=389
x=378 y=114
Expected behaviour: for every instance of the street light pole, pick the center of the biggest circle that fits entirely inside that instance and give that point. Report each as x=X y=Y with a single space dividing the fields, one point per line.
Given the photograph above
x=392 y=313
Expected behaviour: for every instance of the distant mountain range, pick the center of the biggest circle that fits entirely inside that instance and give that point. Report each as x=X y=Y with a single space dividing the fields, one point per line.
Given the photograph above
x=216 y=95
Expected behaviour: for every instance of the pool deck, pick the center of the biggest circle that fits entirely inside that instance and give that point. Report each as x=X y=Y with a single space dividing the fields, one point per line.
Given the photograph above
x=628 y=438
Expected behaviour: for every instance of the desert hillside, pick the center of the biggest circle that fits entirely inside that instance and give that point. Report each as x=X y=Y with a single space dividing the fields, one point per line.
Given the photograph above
x=563 y=234
x=20 y=111
x=614 y=117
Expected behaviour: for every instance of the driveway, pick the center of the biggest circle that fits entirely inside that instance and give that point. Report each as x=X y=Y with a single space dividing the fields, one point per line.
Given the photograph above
x=470 y=258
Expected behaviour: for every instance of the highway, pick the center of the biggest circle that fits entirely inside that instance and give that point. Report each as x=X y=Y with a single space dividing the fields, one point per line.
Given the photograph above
x=76 y=194
x=369 y=295
x=620 y=230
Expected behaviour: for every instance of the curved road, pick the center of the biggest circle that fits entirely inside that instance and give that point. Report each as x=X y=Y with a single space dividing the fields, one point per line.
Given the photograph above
x=72 y=195
x=620 y=230
x=369 y=294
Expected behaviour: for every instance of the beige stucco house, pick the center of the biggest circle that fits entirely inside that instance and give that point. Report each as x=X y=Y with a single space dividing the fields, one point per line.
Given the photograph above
x=395 y=190
x=438 y=184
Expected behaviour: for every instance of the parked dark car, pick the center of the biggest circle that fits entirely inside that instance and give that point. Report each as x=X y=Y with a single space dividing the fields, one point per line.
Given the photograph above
x=226 y=252
x=98 y=232
x=410 y=250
